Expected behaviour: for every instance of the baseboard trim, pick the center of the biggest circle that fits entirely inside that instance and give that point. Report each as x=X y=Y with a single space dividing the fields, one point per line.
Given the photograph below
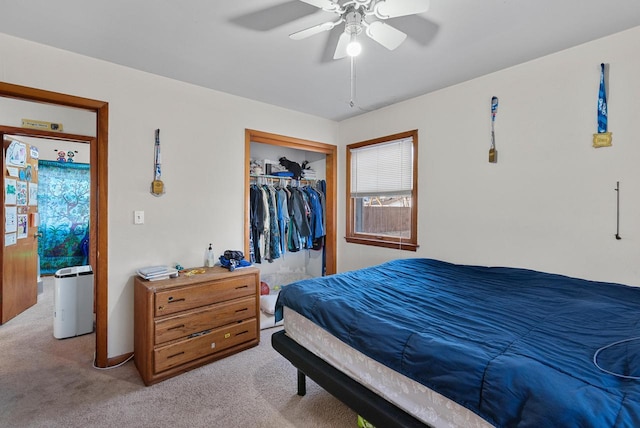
x=114 y=361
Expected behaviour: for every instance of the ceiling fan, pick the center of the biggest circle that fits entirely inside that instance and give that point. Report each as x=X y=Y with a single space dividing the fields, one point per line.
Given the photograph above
x=366 y=16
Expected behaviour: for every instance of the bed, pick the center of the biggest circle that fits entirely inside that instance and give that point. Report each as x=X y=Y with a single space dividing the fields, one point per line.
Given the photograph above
x=422 y=342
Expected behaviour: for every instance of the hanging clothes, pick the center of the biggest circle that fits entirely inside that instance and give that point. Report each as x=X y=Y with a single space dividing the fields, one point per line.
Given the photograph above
x=272 y=244
x=316 y=222
x=321 y=186
x=256 y=221
x=299 y=209
x=266 y=230
x=283 y=217
x=286 y=218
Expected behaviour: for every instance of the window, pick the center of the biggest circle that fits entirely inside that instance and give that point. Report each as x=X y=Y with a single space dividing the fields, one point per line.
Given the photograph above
x=382 y=191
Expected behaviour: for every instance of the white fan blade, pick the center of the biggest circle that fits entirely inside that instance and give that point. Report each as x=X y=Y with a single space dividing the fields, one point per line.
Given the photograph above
x=327 y=5
x=303 y=34
x=385 y=34
x=393 y=8
x=341 y=48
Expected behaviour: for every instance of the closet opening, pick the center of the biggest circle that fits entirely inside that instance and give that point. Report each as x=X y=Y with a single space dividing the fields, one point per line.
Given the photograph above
x=322 y=158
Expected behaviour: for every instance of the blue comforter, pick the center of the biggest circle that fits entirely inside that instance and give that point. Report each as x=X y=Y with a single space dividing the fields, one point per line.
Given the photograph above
x=513 y=345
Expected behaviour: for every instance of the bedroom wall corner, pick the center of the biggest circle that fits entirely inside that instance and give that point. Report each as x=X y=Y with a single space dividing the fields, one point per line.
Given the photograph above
x=549 y=203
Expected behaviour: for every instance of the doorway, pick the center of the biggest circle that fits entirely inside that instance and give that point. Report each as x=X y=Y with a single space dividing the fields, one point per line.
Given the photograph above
x=98 y=249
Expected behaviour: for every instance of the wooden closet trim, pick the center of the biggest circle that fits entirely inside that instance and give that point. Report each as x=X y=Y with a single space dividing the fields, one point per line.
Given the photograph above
x=331 y=153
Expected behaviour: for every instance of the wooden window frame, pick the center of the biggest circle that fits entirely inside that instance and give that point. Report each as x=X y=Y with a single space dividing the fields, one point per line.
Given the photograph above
x=353 y=237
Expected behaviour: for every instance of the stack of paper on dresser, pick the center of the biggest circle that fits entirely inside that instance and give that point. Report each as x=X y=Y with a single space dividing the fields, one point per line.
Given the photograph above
x=154 y=273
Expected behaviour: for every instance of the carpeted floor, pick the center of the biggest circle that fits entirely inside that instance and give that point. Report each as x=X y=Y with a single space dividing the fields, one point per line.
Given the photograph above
x=45 y=382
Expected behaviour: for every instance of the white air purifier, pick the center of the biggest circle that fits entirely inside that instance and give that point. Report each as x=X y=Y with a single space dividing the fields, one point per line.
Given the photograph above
x=73 y=302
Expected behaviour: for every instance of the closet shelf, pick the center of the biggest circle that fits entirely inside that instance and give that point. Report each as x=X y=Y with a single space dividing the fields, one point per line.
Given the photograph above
x=277 y=177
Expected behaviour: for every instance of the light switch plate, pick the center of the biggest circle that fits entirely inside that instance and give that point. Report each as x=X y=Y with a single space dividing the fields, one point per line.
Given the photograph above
x=138 y=217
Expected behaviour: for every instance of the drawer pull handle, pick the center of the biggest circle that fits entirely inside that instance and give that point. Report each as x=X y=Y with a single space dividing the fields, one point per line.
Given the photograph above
x=176 y=300
x=242 y=332
x=175 y=327
x=242 y=310
x=175 y=355
x=241 y=287
x=200 y=333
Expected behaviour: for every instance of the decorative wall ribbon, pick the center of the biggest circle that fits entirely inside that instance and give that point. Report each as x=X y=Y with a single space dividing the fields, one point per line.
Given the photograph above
x=603 y=137
x=602 y=103
x=157 y=186
x=493 y=153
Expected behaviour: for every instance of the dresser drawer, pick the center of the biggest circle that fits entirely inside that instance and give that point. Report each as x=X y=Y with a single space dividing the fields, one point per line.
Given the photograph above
x=181 y=352
x=194 y=296
x=206 y=318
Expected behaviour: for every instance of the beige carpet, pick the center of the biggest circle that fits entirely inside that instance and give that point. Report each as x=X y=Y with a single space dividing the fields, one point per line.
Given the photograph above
x=45 y=382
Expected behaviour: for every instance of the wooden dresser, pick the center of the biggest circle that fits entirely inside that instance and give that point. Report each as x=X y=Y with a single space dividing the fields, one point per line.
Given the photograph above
x=186 y=322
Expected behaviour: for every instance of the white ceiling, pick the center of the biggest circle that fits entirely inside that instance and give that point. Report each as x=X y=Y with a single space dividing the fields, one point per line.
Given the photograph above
x=242 y=46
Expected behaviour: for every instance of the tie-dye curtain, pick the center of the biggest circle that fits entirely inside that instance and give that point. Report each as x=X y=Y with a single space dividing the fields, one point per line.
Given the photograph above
x=63 y=204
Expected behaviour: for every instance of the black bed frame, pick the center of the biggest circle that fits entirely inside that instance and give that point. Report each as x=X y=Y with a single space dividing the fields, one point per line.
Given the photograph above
x=362 y=400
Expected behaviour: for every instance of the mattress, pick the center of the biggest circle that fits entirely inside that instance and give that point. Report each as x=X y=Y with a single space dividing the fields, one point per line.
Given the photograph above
x=424 y=404
x=514 y=346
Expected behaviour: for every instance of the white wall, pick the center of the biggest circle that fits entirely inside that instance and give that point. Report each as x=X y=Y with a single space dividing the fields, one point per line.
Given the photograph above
x=549 y=203
x=73 y=120
x=202 y=135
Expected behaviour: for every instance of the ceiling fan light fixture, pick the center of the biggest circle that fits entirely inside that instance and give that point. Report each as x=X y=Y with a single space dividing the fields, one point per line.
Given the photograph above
x=354 y=14
x=353 y=22
x=354 y=47
x=353 y=27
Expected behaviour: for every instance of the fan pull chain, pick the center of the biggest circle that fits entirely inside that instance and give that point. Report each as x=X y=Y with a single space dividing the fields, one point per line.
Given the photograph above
x=352 y=102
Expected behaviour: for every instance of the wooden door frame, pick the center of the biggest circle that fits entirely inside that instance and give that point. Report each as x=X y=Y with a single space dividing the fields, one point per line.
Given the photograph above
x=99 y=192
x=331 y=153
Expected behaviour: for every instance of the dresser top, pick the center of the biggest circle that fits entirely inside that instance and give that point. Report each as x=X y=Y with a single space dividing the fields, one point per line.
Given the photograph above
x=210 y=274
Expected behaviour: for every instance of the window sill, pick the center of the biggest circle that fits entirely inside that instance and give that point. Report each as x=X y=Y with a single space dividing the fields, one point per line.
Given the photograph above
x=407 y=246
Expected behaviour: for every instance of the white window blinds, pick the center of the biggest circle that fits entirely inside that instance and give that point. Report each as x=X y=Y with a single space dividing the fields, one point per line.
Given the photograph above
x=384 y=169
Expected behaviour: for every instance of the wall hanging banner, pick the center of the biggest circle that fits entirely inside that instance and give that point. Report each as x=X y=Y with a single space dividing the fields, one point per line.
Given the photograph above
x=64 y=191
x=602 y=138
x=602 y=103
x=157 y=186
x=493 y=153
